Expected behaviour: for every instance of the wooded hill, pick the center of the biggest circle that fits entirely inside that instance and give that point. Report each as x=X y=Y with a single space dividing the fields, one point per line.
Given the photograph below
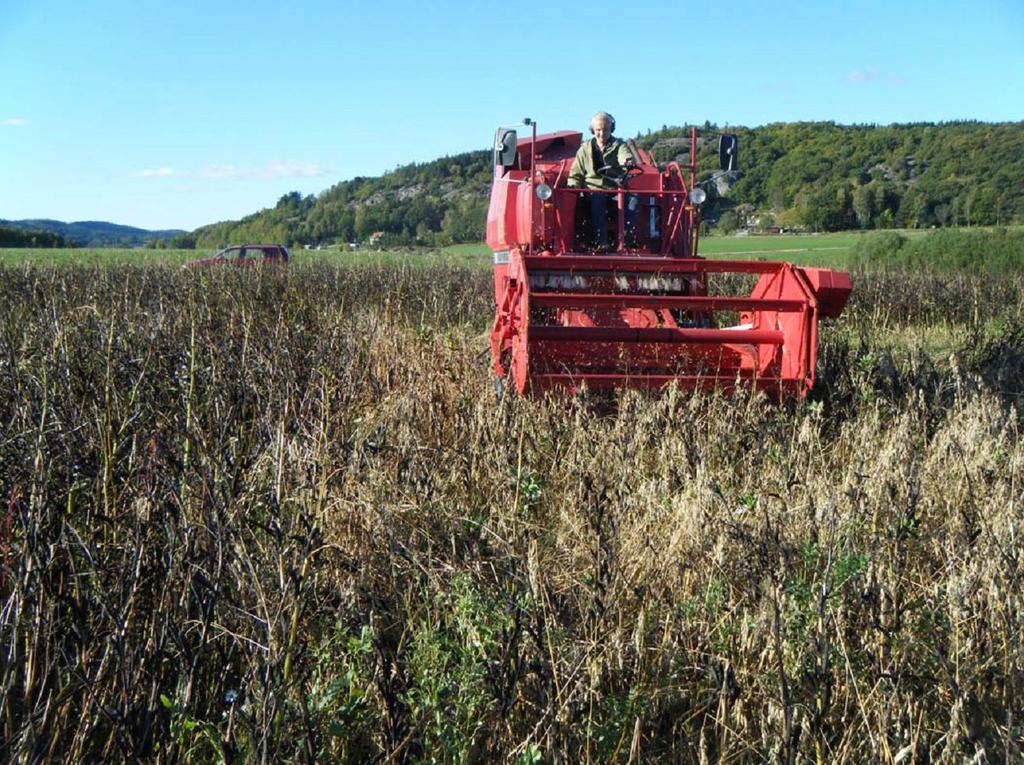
x=43 y=232
x=817 y=175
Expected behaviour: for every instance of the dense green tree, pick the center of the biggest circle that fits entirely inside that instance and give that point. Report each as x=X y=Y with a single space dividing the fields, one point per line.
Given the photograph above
x=728 y=222
x=865 y=204
x=16 y=237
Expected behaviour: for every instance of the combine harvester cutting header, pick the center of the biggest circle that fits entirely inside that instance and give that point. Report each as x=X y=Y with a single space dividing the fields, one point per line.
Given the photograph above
x=643 y=312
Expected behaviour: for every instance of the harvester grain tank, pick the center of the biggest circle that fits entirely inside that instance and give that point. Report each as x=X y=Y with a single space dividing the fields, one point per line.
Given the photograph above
x=649 y=311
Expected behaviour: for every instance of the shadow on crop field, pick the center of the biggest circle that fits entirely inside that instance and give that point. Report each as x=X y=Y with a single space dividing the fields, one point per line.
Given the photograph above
x=280 y=516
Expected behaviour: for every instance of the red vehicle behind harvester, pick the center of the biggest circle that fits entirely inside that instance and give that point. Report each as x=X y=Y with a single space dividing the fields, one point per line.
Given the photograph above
x=651 y=311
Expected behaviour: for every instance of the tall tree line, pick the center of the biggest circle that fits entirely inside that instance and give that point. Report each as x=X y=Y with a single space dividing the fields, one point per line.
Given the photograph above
x=17 y=237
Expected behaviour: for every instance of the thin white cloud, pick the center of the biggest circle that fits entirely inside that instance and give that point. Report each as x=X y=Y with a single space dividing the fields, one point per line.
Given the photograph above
x=159 y=172
x=14 y=122
x=271 y=171
x=861 y=76
x=865 y=76
x=220 y=172
x=290 y=169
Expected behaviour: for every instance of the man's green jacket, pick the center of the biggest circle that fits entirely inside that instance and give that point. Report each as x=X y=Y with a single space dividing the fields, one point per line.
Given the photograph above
x=584 y=169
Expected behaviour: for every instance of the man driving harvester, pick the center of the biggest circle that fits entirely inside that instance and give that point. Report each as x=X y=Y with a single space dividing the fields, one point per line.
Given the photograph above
x=601 y=163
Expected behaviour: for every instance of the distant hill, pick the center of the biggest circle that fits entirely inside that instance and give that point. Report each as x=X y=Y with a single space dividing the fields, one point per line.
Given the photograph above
x=93 y=233
x=816 y=175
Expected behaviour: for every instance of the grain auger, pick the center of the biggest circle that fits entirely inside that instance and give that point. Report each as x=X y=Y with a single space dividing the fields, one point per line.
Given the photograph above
x=647 y=311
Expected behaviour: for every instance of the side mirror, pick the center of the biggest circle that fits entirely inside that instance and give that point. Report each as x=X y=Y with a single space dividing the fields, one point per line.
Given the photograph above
x=504 y=147
x=728 y=152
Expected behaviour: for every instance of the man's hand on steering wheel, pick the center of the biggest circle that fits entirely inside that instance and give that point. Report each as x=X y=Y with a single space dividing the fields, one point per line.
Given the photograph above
x=630 y=170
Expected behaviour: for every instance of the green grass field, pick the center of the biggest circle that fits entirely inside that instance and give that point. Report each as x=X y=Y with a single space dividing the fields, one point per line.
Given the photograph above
x=105 y=256
x=806 y=249
x=471 y=255
x=825 y=250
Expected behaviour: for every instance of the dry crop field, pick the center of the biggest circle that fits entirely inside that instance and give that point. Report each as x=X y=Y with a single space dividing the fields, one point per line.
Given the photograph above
x=280 y=516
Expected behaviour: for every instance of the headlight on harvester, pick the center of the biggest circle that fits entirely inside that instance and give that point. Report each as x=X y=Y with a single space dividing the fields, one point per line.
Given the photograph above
x=697 y=196
x=543 y=192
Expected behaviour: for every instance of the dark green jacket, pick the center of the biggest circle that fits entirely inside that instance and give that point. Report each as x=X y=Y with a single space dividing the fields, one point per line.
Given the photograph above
x=584 y=172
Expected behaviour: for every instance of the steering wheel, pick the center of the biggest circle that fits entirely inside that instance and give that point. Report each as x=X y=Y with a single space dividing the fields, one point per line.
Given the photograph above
x=631 y=171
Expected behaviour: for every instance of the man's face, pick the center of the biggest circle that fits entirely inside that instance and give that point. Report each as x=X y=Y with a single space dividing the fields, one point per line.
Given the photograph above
x=602 y=131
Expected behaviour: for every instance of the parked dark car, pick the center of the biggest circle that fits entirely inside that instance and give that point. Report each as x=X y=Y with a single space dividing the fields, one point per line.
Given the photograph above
x=246 y=255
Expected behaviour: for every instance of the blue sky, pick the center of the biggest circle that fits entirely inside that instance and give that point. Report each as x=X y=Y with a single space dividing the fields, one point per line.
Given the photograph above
x=174 y=115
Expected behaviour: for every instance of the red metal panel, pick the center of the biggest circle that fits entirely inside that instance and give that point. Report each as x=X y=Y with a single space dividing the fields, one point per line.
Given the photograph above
x=832 y=288
x=576 y=262
x=655 y=335
x=776 y=389
x=551 y=147
x=501 y=213
x=573 y=262
x=584 y=300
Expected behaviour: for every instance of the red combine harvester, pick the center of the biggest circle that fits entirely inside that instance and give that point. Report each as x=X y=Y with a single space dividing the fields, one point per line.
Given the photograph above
x=651 y=311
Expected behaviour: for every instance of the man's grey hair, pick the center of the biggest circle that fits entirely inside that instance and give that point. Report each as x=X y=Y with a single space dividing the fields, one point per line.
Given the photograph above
x=603 y=117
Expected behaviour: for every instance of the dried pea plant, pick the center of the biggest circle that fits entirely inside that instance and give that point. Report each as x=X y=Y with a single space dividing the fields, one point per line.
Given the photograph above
x=281 y=516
